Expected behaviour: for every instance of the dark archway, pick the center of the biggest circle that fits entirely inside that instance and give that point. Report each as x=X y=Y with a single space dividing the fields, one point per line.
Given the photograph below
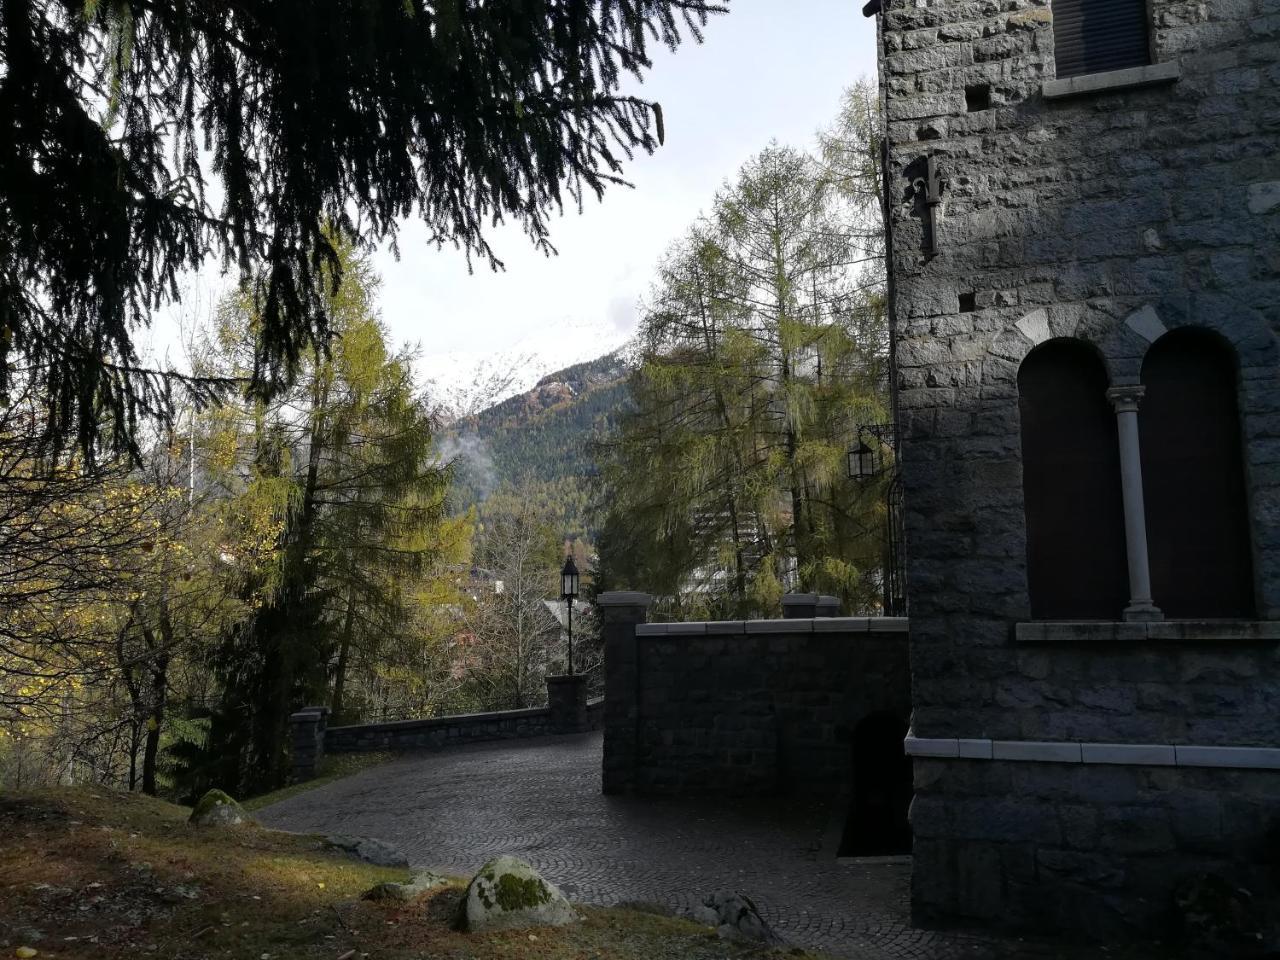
x=1076 y=561
x=877 y=823
x=1193 y=478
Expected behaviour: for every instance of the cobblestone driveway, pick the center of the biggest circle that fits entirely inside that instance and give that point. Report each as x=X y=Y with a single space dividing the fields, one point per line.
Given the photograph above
x=541 y=800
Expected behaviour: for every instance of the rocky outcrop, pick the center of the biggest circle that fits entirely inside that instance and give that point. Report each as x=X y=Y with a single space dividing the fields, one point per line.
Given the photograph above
x=509 y=894
x=420 y=883
x=372 y=851
x=734 y=917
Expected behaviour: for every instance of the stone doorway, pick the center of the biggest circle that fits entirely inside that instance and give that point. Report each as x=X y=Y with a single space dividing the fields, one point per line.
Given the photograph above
x=877 y=824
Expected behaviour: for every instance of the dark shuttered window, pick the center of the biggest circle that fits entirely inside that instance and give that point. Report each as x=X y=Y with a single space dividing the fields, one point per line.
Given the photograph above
x=1076 y=563
x=1193 y=478
x=1094 y=36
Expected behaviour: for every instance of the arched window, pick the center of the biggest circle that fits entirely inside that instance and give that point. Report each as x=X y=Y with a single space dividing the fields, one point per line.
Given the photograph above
x=1076 y=567
x=1193 y=478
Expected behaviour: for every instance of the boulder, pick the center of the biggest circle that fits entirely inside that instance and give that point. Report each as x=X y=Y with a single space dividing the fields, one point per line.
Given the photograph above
x=734 y=917
x=508 y=894
x=419 y=883
x=370 y=851
x=216 y=809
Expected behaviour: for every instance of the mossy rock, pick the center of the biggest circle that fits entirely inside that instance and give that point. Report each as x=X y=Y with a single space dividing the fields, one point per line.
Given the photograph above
x=217 y=809
x=420 y=883
x=508 y=894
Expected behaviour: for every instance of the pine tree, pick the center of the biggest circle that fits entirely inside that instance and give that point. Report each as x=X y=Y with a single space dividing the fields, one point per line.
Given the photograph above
x=125 y=118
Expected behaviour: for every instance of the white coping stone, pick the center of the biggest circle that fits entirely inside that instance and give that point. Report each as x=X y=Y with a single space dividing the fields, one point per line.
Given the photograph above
x=1264 y=197
x=780 y=626
x=1166 y=72
x=1040 y=750
x=1035 y=326
x=889 y=624
x=1258 y=758
x=686 y=628
x=925 y=747
x=726 y=627
x=1139 y=754
x=841 y=624
x=624 y=598
x=1126 y=754
x=974 y=749
x=651 y=629
x=1146 y=323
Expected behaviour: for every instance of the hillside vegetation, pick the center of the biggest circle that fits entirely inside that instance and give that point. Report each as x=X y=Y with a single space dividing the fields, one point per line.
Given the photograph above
x=537 y=446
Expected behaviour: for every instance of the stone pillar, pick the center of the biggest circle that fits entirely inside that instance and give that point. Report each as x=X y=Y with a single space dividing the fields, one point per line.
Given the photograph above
x=1125 y=400
x=308 y=726
x=567 y=701
x=620 y=613
x=800 y=606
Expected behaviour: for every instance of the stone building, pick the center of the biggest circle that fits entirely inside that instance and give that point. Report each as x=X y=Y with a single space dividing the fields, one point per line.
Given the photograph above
x=1084 y=211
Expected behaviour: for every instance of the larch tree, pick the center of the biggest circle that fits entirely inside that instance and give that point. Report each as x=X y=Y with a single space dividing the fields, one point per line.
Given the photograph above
x=761 y=350
x=345 y=465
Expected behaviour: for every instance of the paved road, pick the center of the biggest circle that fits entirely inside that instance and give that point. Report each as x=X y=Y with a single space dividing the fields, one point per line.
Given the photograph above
x=540 y=800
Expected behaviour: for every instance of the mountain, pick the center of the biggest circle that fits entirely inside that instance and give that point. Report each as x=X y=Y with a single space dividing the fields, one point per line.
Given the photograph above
x=537 y=445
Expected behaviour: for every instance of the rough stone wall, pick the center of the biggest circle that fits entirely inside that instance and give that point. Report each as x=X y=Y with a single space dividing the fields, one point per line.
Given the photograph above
x=1108 y=216
x=439 y=731
x=760 y=707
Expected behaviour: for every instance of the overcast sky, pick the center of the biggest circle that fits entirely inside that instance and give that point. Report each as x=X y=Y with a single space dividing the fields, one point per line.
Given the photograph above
x=769 y=69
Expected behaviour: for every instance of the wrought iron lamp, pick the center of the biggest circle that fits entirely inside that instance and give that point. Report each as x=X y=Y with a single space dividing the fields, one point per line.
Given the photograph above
x=569 y=593
x=862 y=462
x=867 y=463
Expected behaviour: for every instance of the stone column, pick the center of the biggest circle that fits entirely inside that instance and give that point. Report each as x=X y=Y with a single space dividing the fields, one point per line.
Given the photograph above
x=620 y=613
x=800 y=606
x=567 y=702
x=308 y=726
x=1125 y=400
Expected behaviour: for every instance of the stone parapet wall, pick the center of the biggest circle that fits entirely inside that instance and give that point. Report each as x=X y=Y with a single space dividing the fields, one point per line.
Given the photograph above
x=436 y=732
x=568 y=711
x=747 y=707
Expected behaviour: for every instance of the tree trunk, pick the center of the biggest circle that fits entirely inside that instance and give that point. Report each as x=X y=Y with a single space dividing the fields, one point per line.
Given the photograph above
x=344 y=650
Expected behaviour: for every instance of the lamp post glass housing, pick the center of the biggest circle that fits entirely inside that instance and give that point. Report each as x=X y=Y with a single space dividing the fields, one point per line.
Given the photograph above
x=862 y=462
x=569 y=593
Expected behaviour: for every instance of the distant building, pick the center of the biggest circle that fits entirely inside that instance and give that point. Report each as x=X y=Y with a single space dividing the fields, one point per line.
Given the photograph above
x=1083 y=201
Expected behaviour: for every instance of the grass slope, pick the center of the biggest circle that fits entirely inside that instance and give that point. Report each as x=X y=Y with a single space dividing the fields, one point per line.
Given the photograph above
x=93 y=873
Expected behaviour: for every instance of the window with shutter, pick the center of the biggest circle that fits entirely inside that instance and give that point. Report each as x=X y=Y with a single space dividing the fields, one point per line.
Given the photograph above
x=1094 y=36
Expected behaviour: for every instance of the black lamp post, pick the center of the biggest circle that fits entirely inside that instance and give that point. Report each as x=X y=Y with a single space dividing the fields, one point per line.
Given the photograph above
x=569 y=593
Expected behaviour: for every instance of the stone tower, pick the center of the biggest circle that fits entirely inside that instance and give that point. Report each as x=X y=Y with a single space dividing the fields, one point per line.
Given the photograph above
x=1084 y=214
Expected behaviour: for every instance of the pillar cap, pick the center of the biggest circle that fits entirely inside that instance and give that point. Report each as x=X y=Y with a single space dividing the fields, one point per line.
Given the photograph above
x=624 y=598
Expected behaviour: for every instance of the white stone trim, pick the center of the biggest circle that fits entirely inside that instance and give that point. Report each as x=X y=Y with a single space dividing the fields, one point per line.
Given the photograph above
x=1124 y=754
x=1146 y=323
x=1035 y=327
x=1166 y=72
x=1041 y=751
x=1258 y=758
x=871 y=625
